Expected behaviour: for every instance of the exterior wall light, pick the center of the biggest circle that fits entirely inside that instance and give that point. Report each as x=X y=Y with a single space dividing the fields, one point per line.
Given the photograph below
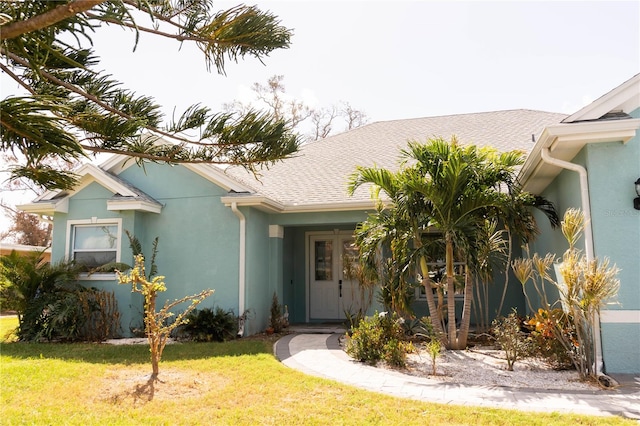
x=636 y=201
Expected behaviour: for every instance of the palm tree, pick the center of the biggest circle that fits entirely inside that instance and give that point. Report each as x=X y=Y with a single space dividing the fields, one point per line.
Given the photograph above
x=452 y=190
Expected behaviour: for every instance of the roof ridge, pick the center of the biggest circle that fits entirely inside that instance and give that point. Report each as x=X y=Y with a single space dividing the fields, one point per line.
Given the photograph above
x=467 y=114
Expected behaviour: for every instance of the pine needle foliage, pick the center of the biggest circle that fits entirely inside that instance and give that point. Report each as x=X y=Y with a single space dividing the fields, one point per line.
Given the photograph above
x=72 y=107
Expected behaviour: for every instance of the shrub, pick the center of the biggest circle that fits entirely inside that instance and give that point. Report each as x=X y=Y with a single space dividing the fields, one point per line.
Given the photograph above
x=509 y=336
x=209 y=325
x=277 y=318
x=543 y=326
x=51 y=304
x=584 y=286
x=377 y=338
x=434 y=347
x=353 y=320
x=422 y=328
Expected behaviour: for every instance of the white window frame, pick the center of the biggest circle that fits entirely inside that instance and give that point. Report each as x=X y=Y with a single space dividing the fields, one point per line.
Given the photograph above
x=458 y=267
x=96 y=222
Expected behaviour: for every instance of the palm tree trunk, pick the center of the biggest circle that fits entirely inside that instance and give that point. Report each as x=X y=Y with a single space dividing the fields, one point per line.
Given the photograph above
x=451 y=297
x=506 y=272
x=480 y=305
x=466 y=311
x=436 y=319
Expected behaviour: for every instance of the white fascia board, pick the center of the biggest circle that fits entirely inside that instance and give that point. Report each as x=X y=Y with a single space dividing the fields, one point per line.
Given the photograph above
x=625 y=97
x=210 y=172
x=259 y=202
x=144 y=206
x=117 y=163
x=217 y=176
x=48 y=195
x=48 y=208
x=566 y=140
x=270 y=206
x=596 y=131
x=331 y=207
x=88 y=174
x=89 y=171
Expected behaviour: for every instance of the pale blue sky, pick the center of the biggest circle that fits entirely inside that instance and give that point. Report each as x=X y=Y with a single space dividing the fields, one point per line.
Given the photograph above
x=405 y=59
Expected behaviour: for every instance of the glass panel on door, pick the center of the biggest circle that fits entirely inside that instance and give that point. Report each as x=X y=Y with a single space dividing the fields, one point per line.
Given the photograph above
x=324 y=260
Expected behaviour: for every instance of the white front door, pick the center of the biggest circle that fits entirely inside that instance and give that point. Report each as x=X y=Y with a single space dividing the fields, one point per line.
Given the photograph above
x=331 y=291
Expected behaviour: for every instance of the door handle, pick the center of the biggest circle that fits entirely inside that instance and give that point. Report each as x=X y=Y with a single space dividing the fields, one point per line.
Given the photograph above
x=340 y=287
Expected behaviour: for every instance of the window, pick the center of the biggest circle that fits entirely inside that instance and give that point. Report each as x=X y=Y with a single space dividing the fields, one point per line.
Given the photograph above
x=437 y=273
x=94 y=244
x=324 y=260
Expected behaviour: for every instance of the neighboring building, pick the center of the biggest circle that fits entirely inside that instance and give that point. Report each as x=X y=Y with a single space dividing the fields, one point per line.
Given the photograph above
x=7 y=248
x=285 y=233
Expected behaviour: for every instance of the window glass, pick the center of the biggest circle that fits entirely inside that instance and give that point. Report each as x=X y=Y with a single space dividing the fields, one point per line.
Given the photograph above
x=324 y=260
x=95 y=245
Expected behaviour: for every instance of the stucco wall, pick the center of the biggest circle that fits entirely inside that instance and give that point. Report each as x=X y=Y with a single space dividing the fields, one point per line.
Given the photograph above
x=198 y=236
x=612 y=168
x=260 y=270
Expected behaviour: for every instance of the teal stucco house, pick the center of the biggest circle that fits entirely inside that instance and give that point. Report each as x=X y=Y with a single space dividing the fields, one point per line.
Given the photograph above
x=591 y=160
x=288 y=231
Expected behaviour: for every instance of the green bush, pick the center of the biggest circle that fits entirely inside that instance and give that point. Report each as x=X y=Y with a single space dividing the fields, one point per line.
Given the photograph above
x=377 y=338
x=509 y=336
x=419 y=327
x=210 y=325
x=50 y=303
x=545 y=326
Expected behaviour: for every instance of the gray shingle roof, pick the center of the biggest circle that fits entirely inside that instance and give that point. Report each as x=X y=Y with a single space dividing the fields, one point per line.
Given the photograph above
x=319 y=173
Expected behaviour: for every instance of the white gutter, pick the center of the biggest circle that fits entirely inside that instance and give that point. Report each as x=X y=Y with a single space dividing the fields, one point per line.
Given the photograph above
x=545 y=154
x=242 y=264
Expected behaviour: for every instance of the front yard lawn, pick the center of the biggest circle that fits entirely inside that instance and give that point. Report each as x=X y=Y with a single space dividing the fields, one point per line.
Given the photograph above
x=237 y=382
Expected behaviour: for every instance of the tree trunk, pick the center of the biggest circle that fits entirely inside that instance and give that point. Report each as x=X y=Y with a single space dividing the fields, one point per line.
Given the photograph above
x=436 y=318
x=461 y=341
x=155 y=359
x=506 y=273
x=451 y=297
x=48 y=18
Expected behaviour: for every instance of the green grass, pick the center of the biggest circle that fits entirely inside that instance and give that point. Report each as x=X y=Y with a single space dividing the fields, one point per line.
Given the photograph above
x=8 y=326
x=237 y=382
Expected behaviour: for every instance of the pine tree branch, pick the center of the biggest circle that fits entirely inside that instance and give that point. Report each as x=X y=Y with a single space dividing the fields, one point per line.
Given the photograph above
x=47 y=19
x=16 y=78
x=88 y=96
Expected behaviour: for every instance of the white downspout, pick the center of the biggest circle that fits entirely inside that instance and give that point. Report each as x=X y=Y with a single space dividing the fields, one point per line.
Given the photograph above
x=584 y=191
x=588 y=232
x=242 y=264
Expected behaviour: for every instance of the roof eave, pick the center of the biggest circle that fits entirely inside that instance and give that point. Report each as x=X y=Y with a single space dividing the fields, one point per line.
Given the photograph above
x=565 y=141
x=270 y=206
x=46 y=207
x=251 y=200
x=137 y=205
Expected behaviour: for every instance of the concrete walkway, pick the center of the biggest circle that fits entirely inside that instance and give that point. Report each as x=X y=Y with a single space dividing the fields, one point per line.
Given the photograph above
x=321 y=355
